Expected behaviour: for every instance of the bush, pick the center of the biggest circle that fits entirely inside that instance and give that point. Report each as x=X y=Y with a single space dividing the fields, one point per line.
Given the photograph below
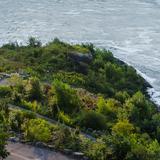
x=122 y=96
x=33 y=42
x=34 y=89
x=5 y=91
x=34 y=106
x=65 y=118
x=93 y=120
x=17 y=118
x=109 y=108
x=38 y=130
x=67 y=98
x=97 y=150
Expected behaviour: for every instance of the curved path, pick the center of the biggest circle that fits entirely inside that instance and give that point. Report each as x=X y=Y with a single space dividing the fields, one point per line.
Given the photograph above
x=13 y=107
x=20 y=151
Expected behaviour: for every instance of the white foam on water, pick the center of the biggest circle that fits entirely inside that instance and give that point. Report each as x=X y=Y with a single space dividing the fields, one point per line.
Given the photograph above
x=155 y=96
x=147 y=78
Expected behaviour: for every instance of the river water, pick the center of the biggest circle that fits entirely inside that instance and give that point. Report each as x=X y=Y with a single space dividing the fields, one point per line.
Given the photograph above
x=130 y=28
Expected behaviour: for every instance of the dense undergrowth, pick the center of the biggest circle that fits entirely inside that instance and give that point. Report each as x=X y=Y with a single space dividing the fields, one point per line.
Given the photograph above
x=85 y=88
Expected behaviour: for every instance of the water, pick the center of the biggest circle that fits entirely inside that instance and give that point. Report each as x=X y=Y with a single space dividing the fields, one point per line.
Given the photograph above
x=131 y=29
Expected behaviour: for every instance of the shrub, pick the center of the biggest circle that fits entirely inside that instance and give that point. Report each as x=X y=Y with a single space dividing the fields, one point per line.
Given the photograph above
x=38 y=130
x=109 y=108
x=67 y=98
x=92 y=119
x=65 y=118
x=17 y=118
x=123 y=128
x=33 y=42
x=34 y=89
x=5 y=91
x=122 y=96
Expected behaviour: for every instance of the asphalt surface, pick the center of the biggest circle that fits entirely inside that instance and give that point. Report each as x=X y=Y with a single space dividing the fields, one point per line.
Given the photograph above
x=20 y=151
x=3 y=82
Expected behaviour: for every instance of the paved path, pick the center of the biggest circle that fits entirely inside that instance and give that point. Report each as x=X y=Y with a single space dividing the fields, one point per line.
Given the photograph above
x=3 y=82
x=20 y=151
x=11 y=106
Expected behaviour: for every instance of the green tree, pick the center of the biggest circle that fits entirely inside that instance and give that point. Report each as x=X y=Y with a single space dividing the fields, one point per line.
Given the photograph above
x=34 y=89
x=123 y=127
x=122 y=96
x=33 y=42
x=139 y=108
x=108 y=107
x=67 y=98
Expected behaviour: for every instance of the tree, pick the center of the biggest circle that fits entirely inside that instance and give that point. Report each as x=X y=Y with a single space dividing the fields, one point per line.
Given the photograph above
x=122 y=96
x=67 y=98
x=109 y=108
x=33 y=42
x=18 y=117
x=139 y=108
x=34 y=89
x=123 y=127
x=97 y=150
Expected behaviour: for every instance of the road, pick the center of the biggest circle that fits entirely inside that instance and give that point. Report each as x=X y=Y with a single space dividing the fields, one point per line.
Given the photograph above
x=20 y=151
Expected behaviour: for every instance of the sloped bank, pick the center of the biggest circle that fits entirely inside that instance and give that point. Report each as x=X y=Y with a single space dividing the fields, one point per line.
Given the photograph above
x=86 y=88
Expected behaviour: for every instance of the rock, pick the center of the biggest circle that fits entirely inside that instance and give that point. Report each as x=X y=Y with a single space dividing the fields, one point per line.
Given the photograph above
x=85 y=158
x=13 y=139
x=40 y=144
x=81 y=57
x=51 y=146
x=78 y=155
x=67 y=151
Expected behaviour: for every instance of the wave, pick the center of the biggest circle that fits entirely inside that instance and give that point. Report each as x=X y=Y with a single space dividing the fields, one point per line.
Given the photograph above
x=153 y=93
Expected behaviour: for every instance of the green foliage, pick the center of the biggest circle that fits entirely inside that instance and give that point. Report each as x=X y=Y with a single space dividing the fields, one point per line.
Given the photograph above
x=64 y=137
x=3 y=137
x=64 y=118
x=93 y=120
x=12 y=45
x=67 y=99
x=91 y=90
x=140 y=108
x=17 y=118
x=122 y=96
x=34 y=106
x=34 y=89
x=97 y=150
x=33 y=42
x=5 y=91
x=71 y=78
x=3 y=142
x=109 y=108
x=38 y=130
x=123 y=128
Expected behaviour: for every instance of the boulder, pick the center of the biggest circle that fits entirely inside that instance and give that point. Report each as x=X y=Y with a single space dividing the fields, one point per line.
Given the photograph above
x=81 y=57
x=78 y=155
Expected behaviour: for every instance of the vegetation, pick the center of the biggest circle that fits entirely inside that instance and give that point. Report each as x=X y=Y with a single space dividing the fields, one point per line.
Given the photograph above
x=62 y=90
x=3 y=133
